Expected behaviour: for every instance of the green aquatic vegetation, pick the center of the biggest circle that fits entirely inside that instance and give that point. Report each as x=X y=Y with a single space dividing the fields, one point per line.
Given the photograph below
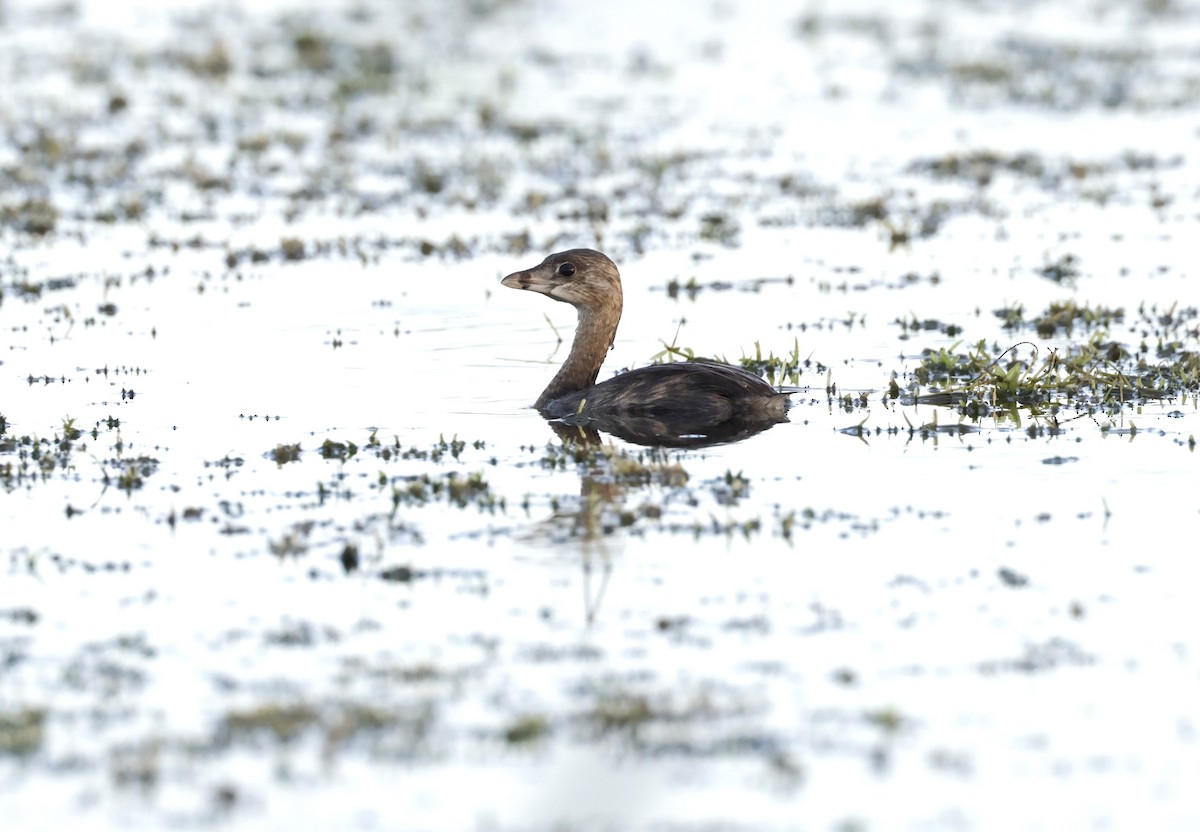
x=691 y=719
x=527 y=729
x=730 y=489
x=472 y=488
x=28 y=289
x=283 y=454
x=607 y=462
x=1011 y=316
x=454 y=247
x=391 y=730
x=34 y=216
x=657 y=166
x=129 y=479
x=313 y=51
x=1035 y=658
x=691 y=288
x=888 y=720
x=453 y=487
x=36 y=459
x=948 y=364
x=293 y=542
x=980 y=166
x=428 y=178
x=453 y=447
x=850 y=402
x=22 y=732
x=132 y=473
x=1059 y=72
x=251 y=254
x=69 y=433
x=1063 y=270
x=793 y=519
x=775 y=369
x=672 y=352
x=136 y=765
x=981 y=378
x=292 y=248
x=331 y=449
x=621 y=713
x=932 y=429
x=528 y=132
x=914 y=324
x=282 y=722
x=254 y=144
x=1175 y=331
x=373 y=72
x=866 y=211
x=719 y=228
x=215 y=62
x=630 y=469
x=398 y=731
x=1065 y=315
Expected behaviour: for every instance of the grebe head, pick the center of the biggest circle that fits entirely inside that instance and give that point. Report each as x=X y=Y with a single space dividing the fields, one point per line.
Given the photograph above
x=584 y=278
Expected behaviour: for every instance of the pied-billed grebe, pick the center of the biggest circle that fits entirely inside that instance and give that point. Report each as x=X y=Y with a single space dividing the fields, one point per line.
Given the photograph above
x=700 y=392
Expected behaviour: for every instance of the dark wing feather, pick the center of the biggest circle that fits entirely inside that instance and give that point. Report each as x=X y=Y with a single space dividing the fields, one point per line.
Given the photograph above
x=704 y=391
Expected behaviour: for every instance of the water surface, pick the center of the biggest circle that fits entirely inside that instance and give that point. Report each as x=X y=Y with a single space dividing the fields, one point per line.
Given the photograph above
x=230 y=231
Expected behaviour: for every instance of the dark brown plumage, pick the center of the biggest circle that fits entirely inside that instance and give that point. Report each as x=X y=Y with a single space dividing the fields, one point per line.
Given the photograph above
x=680 y=395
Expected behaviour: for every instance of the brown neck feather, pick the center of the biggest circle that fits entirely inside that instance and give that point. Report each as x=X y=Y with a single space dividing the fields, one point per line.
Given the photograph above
x=593 y=337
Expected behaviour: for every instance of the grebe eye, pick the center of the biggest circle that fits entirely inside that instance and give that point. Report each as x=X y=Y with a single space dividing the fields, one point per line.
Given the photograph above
x=566 y=270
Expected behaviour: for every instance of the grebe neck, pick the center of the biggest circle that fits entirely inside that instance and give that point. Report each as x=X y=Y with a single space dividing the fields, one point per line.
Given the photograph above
x=593 y=337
